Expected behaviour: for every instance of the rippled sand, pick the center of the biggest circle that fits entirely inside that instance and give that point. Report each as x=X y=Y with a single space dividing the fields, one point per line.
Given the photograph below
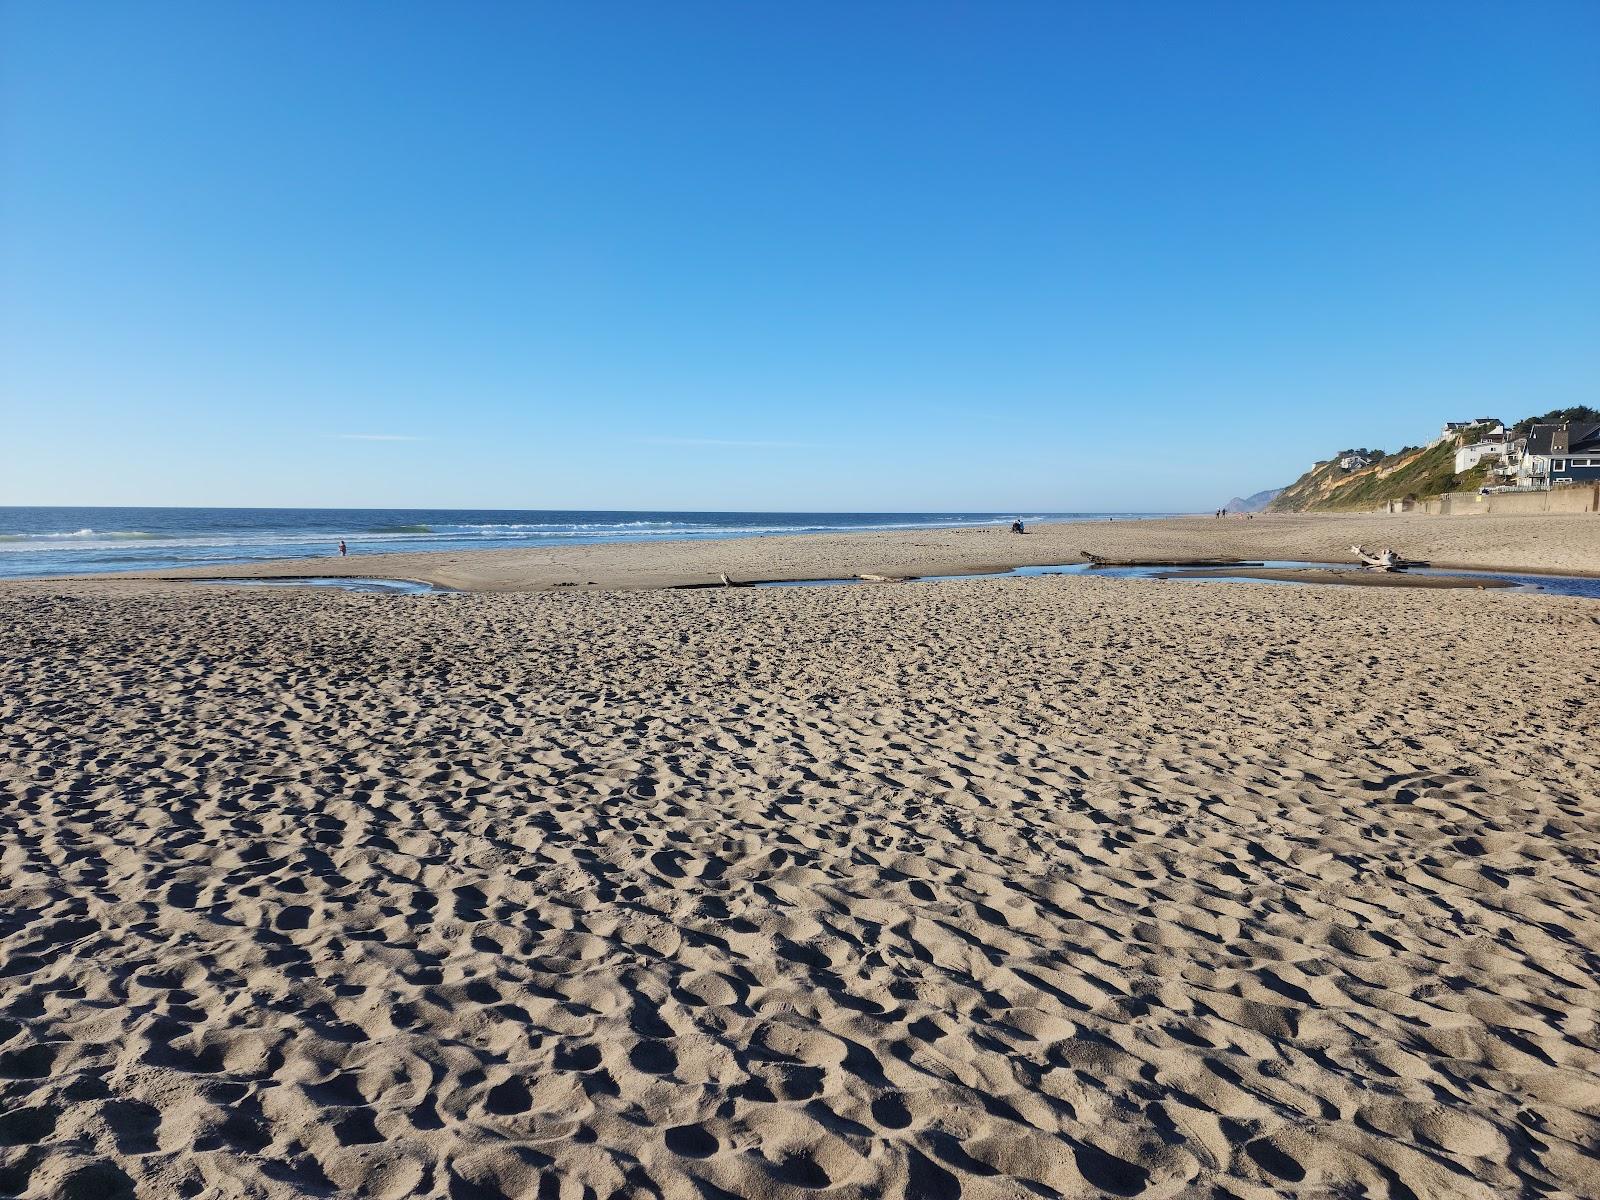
x=1033 y=887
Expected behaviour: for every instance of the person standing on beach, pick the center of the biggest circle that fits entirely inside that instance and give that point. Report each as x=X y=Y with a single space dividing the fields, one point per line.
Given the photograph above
x=343 y=549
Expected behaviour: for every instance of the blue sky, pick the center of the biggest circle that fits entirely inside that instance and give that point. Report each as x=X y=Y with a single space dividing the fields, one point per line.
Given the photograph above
x=1047 y=256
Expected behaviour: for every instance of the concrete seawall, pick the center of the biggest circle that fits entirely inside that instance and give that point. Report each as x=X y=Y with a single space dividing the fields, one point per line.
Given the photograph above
x=1581 y=499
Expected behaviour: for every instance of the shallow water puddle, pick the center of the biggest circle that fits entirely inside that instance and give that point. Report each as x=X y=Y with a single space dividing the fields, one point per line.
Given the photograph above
x=1555 y=585
x=384 y=587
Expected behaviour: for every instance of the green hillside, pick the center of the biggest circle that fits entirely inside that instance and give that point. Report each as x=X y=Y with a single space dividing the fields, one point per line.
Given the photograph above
x=1414 y=473
x=1411 y=473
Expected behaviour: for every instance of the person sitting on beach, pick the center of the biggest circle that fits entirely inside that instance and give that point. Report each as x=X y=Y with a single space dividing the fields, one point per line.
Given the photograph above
x=1016 y=527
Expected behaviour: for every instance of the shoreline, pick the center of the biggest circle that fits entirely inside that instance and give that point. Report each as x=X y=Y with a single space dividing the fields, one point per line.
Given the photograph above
x=1542 y=544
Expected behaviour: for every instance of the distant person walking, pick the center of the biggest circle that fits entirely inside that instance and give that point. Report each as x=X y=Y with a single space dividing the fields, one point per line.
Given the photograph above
x=343 y=549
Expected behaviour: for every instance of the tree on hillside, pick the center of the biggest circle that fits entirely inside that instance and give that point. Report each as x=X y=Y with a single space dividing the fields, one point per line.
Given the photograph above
x=1578 y=412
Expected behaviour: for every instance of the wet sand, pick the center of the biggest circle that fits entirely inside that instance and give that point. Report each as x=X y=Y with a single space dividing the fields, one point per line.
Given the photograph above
x=1532 y=543
x=1057 y=886
x=1354 y=577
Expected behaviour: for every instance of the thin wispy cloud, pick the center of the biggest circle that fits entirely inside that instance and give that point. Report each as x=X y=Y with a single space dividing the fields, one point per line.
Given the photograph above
x=733 y=443
x=374 y=437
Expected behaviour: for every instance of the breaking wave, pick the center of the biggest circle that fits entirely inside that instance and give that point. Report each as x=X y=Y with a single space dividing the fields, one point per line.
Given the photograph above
x=81 y=534
x=41 y=541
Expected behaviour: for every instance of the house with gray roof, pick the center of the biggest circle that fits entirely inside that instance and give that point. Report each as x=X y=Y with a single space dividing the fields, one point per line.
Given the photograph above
x=1568 y=452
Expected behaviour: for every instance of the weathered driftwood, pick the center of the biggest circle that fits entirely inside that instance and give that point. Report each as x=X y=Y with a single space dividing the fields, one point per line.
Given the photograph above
x=879 y=578
x=1096 y=561
x=722 y=582
x=1381 y=560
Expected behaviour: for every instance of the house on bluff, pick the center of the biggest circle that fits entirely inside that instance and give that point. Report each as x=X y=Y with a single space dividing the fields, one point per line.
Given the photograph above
x=1568 y=452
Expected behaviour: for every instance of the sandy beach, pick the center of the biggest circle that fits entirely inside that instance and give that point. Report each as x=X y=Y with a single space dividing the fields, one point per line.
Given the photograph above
x=983 y=889
x=521 y=672
x=1543 y=543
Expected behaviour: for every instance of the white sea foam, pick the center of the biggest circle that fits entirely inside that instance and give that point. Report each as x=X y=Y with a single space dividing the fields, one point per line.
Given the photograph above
x=77 y=535
x=87 y=539
x=220 y=536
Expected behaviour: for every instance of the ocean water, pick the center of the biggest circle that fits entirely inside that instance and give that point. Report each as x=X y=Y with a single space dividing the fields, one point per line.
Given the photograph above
x=72 y=541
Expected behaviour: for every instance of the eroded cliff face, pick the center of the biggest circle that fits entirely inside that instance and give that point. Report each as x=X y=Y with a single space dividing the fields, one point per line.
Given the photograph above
x=1409 y=473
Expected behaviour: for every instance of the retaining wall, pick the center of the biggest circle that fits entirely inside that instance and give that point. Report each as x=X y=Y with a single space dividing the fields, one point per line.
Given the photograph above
x=1583 y=498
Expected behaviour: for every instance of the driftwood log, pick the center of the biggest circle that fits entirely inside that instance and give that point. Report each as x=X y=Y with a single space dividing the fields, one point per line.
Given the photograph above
x=1096 y=561
x=1384 y=560
x=1380 y=560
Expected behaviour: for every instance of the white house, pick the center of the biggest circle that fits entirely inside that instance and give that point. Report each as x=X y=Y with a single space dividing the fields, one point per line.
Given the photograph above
x=1357 y=462
x=1493 y=447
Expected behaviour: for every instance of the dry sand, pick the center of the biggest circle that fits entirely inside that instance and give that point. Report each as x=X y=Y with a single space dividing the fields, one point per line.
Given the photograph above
x=1541 y=543
x=1014 y=888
